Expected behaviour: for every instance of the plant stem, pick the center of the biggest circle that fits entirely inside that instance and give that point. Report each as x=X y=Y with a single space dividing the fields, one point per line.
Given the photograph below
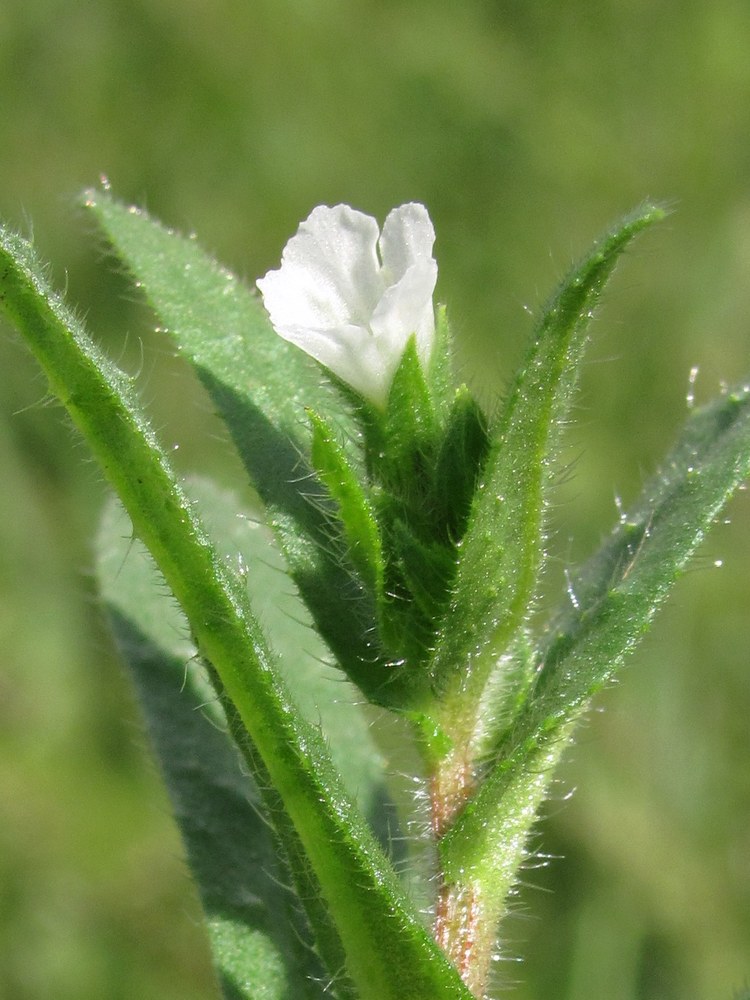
x=461 y=927
x=462 y=933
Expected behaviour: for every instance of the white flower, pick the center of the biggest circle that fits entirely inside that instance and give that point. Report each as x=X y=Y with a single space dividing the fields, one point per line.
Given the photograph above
x=347 y=307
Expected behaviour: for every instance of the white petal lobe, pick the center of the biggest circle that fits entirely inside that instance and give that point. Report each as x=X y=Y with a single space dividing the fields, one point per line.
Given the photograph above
x=407 y=239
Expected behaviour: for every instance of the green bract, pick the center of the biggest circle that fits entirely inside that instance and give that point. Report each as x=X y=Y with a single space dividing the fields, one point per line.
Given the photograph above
x=407 y=528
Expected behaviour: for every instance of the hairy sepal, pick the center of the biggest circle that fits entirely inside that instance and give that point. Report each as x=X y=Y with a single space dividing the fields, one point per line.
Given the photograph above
x=354 y=511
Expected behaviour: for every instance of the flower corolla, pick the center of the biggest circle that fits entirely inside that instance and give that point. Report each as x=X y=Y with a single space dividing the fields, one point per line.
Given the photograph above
x=351 y=297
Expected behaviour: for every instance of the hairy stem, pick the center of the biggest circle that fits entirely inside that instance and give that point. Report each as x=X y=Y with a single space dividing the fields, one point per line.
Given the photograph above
x=461 y=927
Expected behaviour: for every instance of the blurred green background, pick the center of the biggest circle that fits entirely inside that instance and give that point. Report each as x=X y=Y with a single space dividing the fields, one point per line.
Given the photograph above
x=526 y=128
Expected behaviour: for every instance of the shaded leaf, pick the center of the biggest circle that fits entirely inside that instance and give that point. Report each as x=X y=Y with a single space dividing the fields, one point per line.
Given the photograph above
x=255 y=924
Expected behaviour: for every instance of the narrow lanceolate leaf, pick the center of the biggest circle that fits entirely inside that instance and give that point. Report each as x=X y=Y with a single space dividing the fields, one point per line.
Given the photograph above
x=619 y=590
x=229 y=847
x=389 y=953
x=260 y=385
x=259 y=943
x=616 y=595
x=502 y=550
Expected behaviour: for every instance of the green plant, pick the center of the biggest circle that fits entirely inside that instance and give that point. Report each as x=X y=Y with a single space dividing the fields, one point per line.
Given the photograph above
x=412 y=526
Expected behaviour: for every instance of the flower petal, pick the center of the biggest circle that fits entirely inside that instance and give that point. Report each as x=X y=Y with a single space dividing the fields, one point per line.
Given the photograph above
x=407 y=239
x=329 y=274
x=406 y=309
x=351 y=353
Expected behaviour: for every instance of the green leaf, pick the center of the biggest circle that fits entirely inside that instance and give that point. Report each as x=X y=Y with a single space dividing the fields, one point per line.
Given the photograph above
x=615 y=596
x=260 y=946
x=389 y=953
x=260 y=385
x=501 y=553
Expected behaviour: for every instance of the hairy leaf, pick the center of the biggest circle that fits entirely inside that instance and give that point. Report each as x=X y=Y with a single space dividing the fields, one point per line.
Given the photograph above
x=260 y=943
x=616 y=595
x=501 y=553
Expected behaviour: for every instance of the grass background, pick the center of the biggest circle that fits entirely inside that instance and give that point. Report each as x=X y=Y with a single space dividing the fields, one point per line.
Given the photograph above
x=526 y=128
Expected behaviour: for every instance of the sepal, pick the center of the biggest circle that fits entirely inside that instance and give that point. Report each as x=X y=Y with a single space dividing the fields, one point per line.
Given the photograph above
x=463 y=450
x=355 y=511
